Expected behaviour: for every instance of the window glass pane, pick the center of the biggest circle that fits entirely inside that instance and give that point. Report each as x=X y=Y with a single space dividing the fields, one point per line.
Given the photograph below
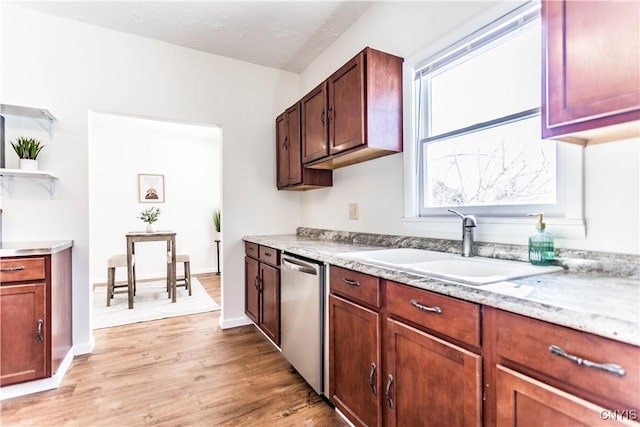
x=503 y=165
x=489 y=83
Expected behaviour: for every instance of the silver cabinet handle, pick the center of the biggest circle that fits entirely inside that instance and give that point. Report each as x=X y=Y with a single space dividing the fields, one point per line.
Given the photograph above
x=255 y=282
x=351 y=282
x=388 y=393
x=39 y=336
x=371 y=374
x=611 y=368
x=419 y=306
x=7 y=269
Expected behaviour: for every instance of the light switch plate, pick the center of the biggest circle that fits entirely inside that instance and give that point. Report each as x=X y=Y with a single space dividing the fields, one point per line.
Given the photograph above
x=353 y=211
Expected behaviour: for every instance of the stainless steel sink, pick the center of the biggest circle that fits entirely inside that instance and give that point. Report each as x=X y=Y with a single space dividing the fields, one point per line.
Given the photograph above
x=474 y=271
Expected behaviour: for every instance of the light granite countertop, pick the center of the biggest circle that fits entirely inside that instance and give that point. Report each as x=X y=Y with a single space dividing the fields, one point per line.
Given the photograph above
x=27 y=248
x=594 y=300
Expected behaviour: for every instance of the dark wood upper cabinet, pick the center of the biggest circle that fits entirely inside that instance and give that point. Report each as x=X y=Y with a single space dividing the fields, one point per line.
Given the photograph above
x=356 y=114
x=315 y=132
x=290 y=173
x=591 y=70
x=346 y=107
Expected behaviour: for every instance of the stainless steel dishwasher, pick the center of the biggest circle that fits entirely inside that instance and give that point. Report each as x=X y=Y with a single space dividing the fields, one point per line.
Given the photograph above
x=302 y=318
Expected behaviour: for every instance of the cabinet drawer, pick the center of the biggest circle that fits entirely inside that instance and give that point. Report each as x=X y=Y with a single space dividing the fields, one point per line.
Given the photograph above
x=21 y=269
x=269 y=255
x=358 y=286
x=527 y=342
x=454 y=318
x=251 y=249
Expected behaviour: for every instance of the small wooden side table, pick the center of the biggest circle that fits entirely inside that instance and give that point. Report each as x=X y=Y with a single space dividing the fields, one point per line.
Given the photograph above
x=140 y=236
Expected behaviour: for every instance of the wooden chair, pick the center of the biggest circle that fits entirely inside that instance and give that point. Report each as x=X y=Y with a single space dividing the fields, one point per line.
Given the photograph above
x=185 y=280
x=112 y=263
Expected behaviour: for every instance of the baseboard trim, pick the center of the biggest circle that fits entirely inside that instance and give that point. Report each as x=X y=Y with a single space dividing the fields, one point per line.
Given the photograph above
x=234 y=322
x=36 y=386
x=85 y=348
x=343 y=416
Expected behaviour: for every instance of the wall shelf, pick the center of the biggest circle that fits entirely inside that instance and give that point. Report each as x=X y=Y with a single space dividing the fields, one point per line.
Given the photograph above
x=34 y=113
x=11 y=174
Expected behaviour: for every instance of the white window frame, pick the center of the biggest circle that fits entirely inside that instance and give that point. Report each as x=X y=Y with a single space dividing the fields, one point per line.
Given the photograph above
x=493 y=225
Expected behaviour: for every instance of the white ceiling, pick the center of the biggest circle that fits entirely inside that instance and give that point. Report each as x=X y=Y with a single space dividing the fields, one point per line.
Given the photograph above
x=280 y=34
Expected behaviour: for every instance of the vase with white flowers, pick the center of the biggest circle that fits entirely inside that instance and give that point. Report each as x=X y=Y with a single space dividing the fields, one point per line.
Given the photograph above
x=150 y=216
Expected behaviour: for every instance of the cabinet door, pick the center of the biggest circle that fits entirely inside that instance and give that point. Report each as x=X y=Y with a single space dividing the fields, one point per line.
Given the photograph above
x=294 y=157
x=23 y=337
x=282 y=142
x=270 y=306
x=252 y=289
x=288 y=148
x=315 y=125
x=428 y=381
x=354 y=361
x=592 y=70
x=346 y=106
x=523 y=402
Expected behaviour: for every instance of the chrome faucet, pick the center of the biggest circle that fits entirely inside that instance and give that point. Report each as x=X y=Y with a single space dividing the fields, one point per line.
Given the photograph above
x=468 y=224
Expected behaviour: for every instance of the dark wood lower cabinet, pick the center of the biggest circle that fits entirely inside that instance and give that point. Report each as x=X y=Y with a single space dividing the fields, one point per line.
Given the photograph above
x=252 y=288
x=24 y=340
x=35 y=315
x=354 y=360
x=270 y=308
x=262 y=288
x=449 y=362
x=429 y=381
x=524 y=401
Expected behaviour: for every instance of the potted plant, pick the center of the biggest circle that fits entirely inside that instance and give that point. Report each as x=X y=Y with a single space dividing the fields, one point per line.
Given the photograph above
x=27 y=150
x=215 y=218
x=150 y=216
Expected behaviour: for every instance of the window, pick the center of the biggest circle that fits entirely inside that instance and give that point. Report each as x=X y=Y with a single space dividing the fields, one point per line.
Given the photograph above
x=477 y=124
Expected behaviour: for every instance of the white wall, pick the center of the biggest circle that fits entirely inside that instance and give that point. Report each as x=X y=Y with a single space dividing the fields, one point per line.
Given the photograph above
x=189 y=156
x=73 y=68
x=612 y=171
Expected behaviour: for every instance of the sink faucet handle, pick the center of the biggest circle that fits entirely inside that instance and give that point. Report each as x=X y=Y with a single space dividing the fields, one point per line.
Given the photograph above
x=467 y=220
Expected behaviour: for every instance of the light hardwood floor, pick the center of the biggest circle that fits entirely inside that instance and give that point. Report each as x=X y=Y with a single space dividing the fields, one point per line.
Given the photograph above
x=182 y=371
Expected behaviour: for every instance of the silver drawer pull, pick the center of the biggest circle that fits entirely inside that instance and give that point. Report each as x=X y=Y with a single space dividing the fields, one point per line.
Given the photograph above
x=388 y=393
x=39 y=337
x=616 y=370
x=371 y=374
x=7 y=269
x=419 y=306
x=351 y=282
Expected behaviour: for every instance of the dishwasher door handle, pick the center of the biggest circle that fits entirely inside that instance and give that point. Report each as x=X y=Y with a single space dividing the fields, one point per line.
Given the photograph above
x=301 y=266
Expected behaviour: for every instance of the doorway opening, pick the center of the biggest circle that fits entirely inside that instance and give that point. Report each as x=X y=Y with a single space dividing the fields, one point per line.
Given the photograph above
x=184 y=161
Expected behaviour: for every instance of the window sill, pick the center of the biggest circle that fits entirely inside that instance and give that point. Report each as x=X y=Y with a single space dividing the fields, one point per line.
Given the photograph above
x=512 y=230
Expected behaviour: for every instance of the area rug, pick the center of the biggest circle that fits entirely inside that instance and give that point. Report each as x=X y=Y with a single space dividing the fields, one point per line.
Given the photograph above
x=150 y=303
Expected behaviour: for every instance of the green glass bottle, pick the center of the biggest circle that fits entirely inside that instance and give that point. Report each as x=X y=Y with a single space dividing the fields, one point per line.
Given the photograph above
x=541 y=250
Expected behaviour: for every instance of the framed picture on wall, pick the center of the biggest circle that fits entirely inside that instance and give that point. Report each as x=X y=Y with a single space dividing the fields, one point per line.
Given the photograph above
x=150 y=188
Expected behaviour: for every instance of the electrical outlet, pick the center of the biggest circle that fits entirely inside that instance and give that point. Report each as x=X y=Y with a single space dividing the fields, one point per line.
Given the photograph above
x=353 y=211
